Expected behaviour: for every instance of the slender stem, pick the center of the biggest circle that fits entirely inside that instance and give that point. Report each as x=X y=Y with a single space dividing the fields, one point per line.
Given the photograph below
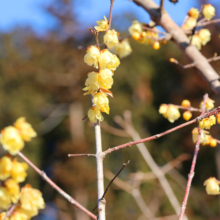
x=192 y=170
x=80 y=155
x=10 y=211
x=153 y=30
x=57 y=188
x=208 y=22
x=110 y=15
x=100 y=175
x=189 y=108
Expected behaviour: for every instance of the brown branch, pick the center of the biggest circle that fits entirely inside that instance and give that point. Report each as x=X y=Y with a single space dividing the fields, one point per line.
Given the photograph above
x=110 y=15
x=124 y=165
x=79 y=155
x=161 y=6
x=10 y=211
x=202 y=24
x=57 y=188
x=178 y=35
x=192 y=170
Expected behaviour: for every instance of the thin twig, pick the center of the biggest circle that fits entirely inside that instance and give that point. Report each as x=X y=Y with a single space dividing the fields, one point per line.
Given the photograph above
x=79 y=155
x=57 y=188
x=124 y=165
x=192 y=170
x=10 y=211
x=189 y=108
x=202 y=24
x=153 y=30
x=161 y=6
x=110 y=15
x=154 y=137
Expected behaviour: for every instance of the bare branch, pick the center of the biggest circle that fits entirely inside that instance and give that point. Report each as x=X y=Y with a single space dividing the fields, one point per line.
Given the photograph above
x=80 y=155
x=57 y=188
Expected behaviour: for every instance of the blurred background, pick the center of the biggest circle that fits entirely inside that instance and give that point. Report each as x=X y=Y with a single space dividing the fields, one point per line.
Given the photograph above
x=42 y=74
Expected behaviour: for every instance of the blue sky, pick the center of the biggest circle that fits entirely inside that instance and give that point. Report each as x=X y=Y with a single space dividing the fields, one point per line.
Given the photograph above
x=30 y=12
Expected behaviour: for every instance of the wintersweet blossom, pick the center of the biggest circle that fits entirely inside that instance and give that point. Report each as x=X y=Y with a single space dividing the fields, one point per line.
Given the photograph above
x=20 y=214
x=14 y=189
x=212 y=186
x=5 y=199
x=18 y=171
x=105 y=78
x=31 y=200
x=92 y=56
x=204 y=138
x=5 y=167
x=208 y=11
x=111 y=38
x=25 y=129
x=163 y=110
x=95 y=114
x=102 y=25
x=92 y=83
x=101 y=101
x=135 y=27
x=123 y=48
x=189 y=23
x=193 y=12
x=11 y=140
x=218 y=117
x=172 y=113
x=196 y=41
x=206 y=123
x=209 y=104
x=108 y=60
x=205 y=36
x=187 y=115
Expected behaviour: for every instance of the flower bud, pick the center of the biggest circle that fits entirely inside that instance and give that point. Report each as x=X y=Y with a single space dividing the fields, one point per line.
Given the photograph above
x=193 y=12
x=187 y=115
x=208 y=11
x=186 y=103
x=213 y=142
x=111 y=38
x=212 y=186
x=156 y=45
x=136 y=36
x=92 y=56
x=135 y=27
x=218 y=117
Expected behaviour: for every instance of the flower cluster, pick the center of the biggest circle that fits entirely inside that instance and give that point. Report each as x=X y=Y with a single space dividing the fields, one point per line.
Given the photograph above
x=98 y=83
x=170 y=112
x=205 y=138
x=13 y=137
x=191 y=19
x=201 y=37
x=144 y=37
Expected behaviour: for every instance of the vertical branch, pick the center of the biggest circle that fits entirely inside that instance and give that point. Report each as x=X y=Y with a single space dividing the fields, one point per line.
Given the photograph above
x=192 y=173
x=110 y=15
x=99 y=168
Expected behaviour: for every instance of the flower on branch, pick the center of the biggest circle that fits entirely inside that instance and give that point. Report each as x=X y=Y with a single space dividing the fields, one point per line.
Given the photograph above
x=136 y=27
x=108 y=60
x=5 y=167
x=206 y=123
x=196 y=41
x=11 y=140
x=212 y=186
x=194 y=13
x=204 y=138
x=187 y=115
x=101 y=101
x=123 y=48
x=25 y=129
x=102 y=25
x=18 y=171
x=5 y=199
x=205 y=36
x=189 y=23
x=111 y=38
x=208 y=11
x=170 y=112
x=209 y=104
x=14 y=190
x=186 y=103
x=95 y=114
x=92 y=56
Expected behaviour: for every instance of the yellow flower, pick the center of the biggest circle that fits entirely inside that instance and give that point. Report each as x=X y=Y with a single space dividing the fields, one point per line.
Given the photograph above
x=92 y=56
x=156 y=45
x=111 y=38
x=2 y=216
x=204 y=138
x=18 y=171
x=136 y=36
x=5 y=198
x=20 y=214
x=135 y=27
x=92 y=83
x=94 y=114
x=102 y=25
x=189 y=23
x=186 y=103
x=11 y=140
x=206 y=123
x=193 y=12
x=163 y=109
x=187 y=115
x=205 y=36
x=208 y=11
x=209 y=104
x=213 y=142
x=218 y=117
x=25 y=129
x=108 y=60
x=101 y=101
x=172 y=113
x=31 y=200
x=196 y=41
x=5 y=167
x=105 y=78
x=212 y=186
x=123 y=48
x=14 y=189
